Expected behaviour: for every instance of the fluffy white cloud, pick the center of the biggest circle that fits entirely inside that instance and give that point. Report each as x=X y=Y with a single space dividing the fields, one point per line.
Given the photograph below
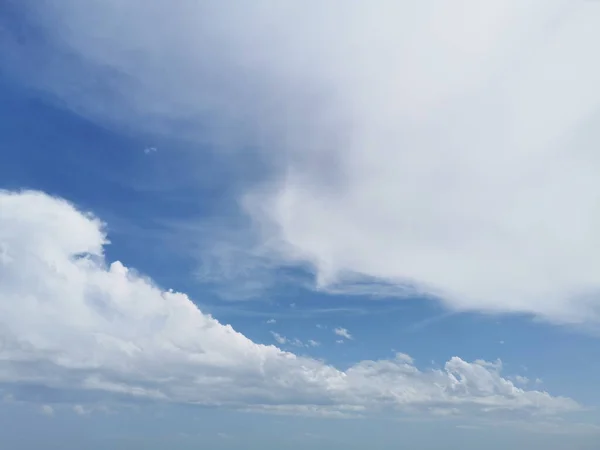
x=447 y=147
x=342 y=332
x=71 y=321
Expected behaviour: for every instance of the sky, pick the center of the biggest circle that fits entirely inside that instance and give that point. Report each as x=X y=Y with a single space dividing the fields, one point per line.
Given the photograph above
x=265 y=224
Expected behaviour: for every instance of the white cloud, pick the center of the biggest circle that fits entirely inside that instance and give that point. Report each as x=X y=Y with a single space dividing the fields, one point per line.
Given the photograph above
x=71 y=320
x=343 y=333
x=47 y=410
x=282 y=340
x=81 y=410
x=297 y=342
x=444 y=411
x=404 y=357
x=468 y=173
x=271 y=321
x=279 y=338
x=521 y=380
x=447 y=147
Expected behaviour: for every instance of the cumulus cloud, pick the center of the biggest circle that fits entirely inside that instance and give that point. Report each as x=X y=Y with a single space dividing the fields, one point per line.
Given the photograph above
x=343 y=333
x=448 y=149
x=70 y=320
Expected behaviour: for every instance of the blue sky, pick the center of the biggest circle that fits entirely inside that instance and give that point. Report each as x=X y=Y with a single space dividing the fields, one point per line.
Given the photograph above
x=388 y=255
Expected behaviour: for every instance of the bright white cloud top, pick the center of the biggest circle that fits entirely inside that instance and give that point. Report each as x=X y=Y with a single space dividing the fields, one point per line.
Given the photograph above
x=70 y=320
x=451 y=146
x=343 y=333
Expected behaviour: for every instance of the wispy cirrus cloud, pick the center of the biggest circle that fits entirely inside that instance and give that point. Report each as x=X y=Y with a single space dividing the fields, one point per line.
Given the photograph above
x=282 y=340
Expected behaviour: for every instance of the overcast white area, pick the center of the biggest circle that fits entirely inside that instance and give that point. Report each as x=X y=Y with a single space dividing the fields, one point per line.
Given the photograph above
x=70 y=320
x=451 y=146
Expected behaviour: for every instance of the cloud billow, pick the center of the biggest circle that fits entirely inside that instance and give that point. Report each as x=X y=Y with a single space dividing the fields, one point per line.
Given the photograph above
x=72 y=321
